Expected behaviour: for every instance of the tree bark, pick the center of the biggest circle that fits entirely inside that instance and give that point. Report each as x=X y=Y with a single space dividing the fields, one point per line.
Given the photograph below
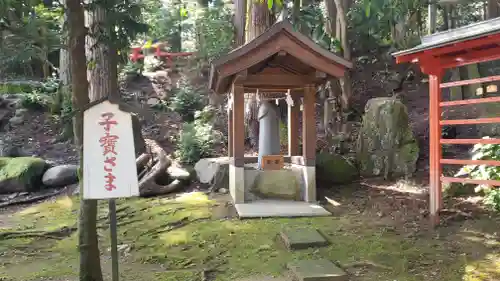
x=65 y=77
x=345 y=82
x=493 y=9
x=90 y=265
x=432 y=17
x=239 y=21
x=259 y=19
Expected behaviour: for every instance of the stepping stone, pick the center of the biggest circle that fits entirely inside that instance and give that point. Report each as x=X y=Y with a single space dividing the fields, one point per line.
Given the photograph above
x=316 y=270
x=296 y=239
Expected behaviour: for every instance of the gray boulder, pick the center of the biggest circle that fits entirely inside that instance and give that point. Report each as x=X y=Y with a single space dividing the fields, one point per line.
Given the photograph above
x=61 y=176
x=21 y=174
x=386 y=144
x=213 y=171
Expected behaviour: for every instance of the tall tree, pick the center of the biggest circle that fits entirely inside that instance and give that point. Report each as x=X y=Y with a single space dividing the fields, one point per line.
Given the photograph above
x=90 y=266
x=343 y=7
x=259 y=18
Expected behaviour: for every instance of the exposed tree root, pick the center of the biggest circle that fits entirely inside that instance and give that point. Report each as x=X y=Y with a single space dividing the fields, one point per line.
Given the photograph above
x=55 y=234
x=148 y=185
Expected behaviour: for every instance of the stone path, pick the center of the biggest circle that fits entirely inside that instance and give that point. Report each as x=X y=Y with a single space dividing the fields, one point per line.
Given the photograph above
x=308 y=270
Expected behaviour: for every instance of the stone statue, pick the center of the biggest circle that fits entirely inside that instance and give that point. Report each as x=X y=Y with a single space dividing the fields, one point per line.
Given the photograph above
x=269 y=130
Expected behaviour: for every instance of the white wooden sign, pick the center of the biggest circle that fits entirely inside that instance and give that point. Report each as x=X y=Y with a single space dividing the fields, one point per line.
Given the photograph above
x=109 y=169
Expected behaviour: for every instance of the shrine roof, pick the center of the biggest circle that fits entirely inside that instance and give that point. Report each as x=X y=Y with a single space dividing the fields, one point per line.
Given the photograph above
x=455 y=42
x=279 y=47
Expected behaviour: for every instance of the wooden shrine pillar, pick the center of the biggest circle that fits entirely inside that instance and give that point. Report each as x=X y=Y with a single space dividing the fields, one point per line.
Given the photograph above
x=238 y=125
x=230 y=152
x=236 y=168
x=435 y=189
x=309 y=126
x=309 y=143
x=293 y=128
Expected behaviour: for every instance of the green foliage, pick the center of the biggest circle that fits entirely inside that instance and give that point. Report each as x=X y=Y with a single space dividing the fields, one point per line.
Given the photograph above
x=131 y=69
x=31 y=31
x=215 y=32
x=485 y=172
x=196 y=141
x=186 y=100
x=206 y=115
x=386 y=22
x=312 y=22
x=15 y=88
x=43 y=97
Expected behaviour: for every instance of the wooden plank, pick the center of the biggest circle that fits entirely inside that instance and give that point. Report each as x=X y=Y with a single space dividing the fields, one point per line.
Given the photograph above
x=472 y=58
x=470 y=101
x=470 y=162
x=470 y=121
x=471 y=181
x=470 y=141
x=280 y=80
x=470 y=81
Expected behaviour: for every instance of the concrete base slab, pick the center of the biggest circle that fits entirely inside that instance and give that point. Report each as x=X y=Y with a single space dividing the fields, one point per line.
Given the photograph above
x=279 y=208
x=296 y=239
x=316 y=270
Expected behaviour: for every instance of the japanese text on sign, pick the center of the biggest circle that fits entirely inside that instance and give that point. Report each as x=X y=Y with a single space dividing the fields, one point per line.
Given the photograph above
x=108 y=143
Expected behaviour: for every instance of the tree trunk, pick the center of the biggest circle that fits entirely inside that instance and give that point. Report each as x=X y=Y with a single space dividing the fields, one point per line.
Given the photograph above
x=65 y=76
x=345 y=82
x=493 y=10
x=239 y=21
x=331 y=87
x=259 y=19
x=90 y=265
x=432 y=18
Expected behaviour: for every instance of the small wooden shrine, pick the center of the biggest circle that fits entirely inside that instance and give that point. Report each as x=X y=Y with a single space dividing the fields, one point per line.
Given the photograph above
x=475 y=43
x=279 y=63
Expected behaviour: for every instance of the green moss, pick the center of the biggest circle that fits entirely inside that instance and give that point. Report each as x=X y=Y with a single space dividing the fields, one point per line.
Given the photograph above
x=25 y=170
x=176 y=239
x=334 y=169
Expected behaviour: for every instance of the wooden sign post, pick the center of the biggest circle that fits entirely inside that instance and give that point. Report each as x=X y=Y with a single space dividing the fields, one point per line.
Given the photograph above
x=109 y=169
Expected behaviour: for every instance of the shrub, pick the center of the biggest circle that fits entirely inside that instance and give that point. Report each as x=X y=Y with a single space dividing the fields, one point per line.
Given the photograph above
x=196 y=142
x=485 y=172
x=186 y=101
x=131 y=69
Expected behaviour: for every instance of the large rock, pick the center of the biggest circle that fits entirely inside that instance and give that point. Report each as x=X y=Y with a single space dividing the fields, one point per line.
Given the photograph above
x=278 y=184
x=334 y=169
x=21 y=174
x=62 y=175
x=386 y=145
x=213 y=171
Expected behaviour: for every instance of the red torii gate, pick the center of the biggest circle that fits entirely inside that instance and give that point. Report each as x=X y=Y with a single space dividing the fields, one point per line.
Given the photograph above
x=137 y=53
x=475 y=43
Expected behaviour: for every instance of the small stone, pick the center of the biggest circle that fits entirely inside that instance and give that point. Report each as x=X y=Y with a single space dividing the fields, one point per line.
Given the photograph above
x=21 y=112
x=60 y=175
x=223 y=190
x=16 y=120
x=316 y=270
x=178 y=173
x=296 y=239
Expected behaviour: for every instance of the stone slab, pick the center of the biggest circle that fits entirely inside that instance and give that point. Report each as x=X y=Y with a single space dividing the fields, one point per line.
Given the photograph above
x=279 y=208
x=316 y=270
x=296 y=239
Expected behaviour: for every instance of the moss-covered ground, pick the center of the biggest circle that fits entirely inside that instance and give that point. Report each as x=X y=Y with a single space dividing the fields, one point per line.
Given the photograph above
x=187 y=238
